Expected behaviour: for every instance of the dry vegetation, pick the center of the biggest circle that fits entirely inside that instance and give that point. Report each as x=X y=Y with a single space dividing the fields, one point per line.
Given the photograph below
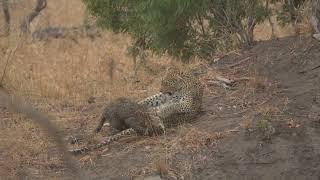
x=59 y=76
x=71 y=70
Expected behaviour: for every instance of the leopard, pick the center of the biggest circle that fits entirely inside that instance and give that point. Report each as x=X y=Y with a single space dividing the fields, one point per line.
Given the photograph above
x=128 y=118
x=180 y=97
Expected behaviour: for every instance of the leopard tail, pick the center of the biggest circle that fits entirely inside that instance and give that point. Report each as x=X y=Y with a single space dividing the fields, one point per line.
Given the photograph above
x=107 y=141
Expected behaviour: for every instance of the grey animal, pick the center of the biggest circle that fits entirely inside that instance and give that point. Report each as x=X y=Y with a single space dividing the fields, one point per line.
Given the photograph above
x=128 y=117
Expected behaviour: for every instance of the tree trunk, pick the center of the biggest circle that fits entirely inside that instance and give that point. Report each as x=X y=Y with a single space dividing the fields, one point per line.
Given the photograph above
x=269 y=14
x=315 y=17
x=40 y=5
x=6 y=13
x=251 y=25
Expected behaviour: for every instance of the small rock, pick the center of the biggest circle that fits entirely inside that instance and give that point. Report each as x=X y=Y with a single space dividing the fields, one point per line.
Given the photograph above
x=215 y=60
x=106 y=124
x=91 y=100
x=316 y=36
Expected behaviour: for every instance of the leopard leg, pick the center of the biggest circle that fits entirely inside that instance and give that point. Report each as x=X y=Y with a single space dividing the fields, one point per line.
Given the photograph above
x=156 y=100
x=107 y=141
x=179 y=107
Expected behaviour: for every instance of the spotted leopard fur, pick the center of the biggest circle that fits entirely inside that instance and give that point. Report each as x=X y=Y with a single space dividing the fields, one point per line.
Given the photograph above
x=156 y=100
x=180 y=97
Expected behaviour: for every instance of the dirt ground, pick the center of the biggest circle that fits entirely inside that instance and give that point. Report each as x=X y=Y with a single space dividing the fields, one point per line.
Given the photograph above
x=266 y=126
x=288 y=99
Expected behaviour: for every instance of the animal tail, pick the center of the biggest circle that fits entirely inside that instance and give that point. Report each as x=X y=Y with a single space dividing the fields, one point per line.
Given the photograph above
x=107 y=141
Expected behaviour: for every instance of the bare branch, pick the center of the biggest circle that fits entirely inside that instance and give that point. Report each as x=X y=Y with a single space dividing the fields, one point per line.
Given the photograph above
x=269 y=19
x=40 y=5
x=8 y=58
x=6 y=13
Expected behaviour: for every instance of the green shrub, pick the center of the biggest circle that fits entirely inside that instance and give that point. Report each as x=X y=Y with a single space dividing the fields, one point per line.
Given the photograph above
x=181 y=28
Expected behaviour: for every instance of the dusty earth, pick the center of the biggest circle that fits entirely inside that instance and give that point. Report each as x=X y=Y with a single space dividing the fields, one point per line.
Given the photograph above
x=266 y=126
x=288 y=100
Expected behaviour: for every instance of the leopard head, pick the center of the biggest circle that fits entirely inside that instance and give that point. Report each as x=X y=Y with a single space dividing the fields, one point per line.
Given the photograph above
x=172 y=81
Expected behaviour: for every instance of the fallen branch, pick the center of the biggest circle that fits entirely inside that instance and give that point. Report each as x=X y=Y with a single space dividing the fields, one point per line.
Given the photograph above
x=242 y=79
x=238 y=63
x=61 y=32
x=219 y=83
x=225 y=82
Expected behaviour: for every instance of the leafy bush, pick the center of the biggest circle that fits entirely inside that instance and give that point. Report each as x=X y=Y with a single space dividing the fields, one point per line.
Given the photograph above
x=181 y=28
